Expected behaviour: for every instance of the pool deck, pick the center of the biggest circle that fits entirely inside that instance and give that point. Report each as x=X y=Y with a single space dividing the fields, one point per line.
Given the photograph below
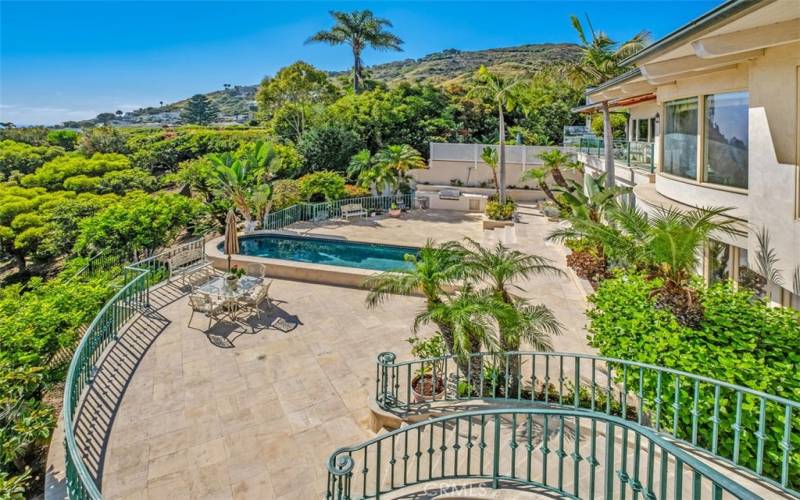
x=176 y=412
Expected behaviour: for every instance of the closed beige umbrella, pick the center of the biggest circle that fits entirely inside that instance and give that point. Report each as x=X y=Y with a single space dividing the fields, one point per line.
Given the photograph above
x=231 y=238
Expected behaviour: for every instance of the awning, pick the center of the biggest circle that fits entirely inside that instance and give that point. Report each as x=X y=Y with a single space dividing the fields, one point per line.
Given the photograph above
x=614 y=103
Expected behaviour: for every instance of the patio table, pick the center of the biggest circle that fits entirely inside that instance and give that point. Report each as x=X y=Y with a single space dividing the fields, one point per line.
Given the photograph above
x=229 y=296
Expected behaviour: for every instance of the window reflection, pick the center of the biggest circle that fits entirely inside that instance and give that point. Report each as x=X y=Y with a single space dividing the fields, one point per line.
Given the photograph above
x=680 y=138
x=725 y=141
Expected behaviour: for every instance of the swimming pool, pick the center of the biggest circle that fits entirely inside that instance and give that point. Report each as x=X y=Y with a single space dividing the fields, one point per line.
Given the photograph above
x=371 y=256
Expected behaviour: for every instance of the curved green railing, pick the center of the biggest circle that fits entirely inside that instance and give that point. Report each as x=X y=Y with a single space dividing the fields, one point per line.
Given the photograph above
x=115 y=315
x=749 y=429
x=330 y=209
x=577 y=454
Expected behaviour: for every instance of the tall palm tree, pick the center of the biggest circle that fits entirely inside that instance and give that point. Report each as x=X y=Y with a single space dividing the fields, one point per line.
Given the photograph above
x=489 y=157
x=432 y=273
x=359 y=29
x=502 y=92
x=601 y=59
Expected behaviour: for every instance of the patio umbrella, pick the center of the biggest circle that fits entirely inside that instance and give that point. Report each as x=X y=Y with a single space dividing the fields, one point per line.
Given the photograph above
x=231 y=238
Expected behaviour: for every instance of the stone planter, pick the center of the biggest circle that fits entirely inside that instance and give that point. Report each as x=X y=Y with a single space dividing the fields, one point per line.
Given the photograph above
x=494 y=224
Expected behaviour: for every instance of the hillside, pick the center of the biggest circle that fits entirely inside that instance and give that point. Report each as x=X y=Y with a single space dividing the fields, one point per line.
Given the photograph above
x=237 y=103
x=454 y=65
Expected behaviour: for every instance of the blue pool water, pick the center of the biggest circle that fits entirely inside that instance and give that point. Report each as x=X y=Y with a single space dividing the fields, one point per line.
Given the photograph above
x=373 y=256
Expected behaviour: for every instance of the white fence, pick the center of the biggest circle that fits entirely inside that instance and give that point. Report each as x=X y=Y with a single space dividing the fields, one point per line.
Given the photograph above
x=461 y=164
x=524 y=155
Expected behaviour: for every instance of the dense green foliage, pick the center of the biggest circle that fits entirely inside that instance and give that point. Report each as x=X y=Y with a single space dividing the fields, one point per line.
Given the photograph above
x=39 y=325
x=328 y=147
x=741 y=340
x=24 y=158
x=321 y=186
x=137 y=224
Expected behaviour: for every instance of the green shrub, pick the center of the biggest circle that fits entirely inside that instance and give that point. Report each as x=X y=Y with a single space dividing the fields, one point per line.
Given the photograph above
x=328 y=147
x=498 y=211
x=21 y=157
x=66 y=139
x=285 y=193
x=322 y=186
x=52 y=174
x=741 y=340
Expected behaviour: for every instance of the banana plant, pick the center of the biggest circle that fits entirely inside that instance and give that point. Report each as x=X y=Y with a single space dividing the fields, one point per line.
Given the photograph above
x=591 y=200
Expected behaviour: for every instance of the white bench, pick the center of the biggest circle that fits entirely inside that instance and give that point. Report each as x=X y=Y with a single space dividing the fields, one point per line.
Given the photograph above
x=188 y=262
x=353 y=210
x=449 y=194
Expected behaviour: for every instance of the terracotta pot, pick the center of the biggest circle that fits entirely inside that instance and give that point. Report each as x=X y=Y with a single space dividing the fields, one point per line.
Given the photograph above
x=395 y=212
x=423 y=388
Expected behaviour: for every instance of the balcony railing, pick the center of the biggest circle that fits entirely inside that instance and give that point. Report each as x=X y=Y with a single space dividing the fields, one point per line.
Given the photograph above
x=635 y=154
x=332 y=209
x=116 y=314
x=745 y=428
x=133 y=298
x=577 y=454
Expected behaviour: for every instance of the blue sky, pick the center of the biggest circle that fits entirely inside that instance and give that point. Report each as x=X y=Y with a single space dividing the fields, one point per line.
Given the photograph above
x=71 y=60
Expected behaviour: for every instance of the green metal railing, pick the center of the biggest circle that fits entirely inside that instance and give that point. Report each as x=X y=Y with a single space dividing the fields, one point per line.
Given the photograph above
x=636 y=154
x=551 y=449
x=750 y=429
x=116 y=314
x=332 y=209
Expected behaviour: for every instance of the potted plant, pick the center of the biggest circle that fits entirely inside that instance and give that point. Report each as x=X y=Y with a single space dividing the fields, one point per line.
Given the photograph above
x=394 y=210
x=428 y=381
x=234 y=275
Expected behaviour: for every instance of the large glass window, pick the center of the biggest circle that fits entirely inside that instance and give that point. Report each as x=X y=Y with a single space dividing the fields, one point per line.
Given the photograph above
x=725 y=141
x=680 y=138
x=641 y=130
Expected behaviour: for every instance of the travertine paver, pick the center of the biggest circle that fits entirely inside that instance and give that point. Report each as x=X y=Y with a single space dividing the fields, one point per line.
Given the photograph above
x=234 y=414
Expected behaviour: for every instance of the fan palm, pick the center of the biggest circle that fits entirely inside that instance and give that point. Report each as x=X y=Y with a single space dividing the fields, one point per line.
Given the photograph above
x=390 y=166
x=359 y=29
x=501 y=91
x=601 y=59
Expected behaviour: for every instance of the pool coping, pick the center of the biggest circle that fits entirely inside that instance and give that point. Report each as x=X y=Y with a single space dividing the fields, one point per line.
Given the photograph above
x=323 y=274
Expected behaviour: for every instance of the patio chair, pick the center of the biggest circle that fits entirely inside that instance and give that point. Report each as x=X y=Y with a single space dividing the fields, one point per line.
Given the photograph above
x=201 y=303
x=253 y=300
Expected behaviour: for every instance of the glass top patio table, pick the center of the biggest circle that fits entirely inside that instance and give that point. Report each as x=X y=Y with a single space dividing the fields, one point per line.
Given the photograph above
x=219 y=287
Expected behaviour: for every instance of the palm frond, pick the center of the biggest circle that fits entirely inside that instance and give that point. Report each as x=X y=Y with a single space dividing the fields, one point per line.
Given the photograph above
x=767 y=258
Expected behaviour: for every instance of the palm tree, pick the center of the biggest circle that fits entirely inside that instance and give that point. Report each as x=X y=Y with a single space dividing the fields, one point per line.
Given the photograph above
x=489 y=157
x=501 y=91
x=600 y=60
x=539 y=174
x=359 y=29
x=432 y=273
x=554 y=160
x=666 y=243
x=360 y=163
x=501 y=268
x=400 y=159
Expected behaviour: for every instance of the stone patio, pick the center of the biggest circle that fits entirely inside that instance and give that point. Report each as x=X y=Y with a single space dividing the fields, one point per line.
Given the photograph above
x=177 y=412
